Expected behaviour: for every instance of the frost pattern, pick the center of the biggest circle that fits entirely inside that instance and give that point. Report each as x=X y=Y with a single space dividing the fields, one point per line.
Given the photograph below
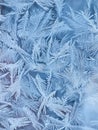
x=48 y=64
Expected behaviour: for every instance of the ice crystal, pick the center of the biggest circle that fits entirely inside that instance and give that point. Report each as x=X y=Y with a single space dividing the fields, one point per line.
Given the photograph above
x=48 y=65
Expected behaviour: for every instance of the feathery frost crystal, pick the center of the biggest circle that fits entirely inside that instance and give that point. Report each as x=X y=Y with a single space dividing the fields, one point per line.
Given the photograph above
x=48 y=64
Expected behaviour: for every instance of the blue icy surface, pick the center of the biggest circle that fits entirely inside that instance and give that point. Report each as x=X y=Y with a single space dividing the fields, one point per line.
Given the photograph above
x=48 y=64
